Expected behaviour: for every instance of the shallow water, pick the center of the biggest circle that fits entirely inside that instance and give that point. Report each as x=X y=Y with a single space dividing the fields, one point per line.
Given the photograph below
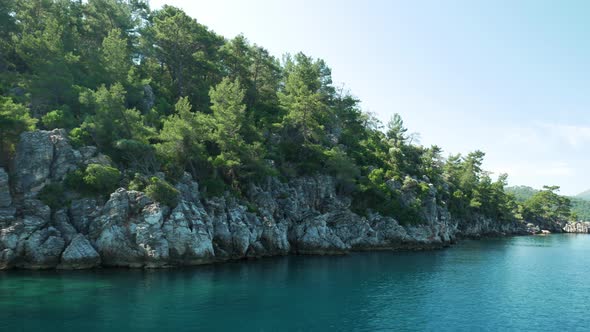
x=519 y=283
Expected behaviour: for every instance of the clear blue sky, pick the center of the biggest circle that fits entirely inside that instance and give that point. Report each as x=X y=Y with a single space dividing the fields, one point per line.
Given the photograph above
x=510 y=78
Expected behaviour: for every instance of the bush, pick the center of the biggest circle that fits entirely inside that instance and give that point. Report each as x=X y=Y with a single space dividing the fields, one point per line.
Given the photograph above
x=95 y=179
x=136 y=155
x=340 y=165
x=58 y=119
x=80 y=137
x=75 y=180
x=162 y=191
x=213 y=187
x=52 y=195
x=138 y=183
x=101 y=179
x=252 y=208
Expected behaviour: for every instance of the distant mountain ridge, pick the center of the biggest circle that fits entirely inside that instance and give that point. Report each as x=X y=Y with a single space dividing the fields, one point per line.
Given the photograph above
x=585 y=195
x=521 y=193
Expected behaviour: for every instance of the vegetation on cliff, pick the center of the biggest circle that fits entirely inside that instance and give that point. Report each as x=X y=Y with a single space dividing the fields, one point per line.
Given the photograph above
x=547 y=202
x=159 y=92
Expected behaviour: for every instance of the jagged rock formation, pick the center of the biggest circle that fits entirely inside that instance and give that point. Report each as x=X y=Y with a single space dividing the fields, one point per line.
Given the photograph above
x=577 y=227
x=304 y=216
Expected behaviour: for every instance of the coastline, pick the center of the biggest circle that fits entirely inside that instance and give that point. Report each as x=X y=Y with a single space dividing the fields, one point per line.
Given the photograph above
x=305 y=215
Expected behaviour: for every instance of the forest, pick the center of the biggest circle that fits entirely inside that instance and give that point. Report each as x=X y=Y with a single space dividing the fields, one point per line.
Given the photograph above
x=160 y=93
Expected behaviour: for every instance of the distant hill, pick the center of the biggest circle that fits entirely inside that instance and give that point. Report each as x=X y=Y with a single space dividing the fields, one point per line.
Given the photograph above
x=580 y=202
x=522 y=193
x=584 y=195
x=581 y=207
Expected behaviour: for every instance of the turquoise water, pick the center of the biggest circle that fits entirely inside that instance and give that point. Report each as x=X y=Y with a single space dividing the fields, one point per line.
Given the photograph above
x=520 y=283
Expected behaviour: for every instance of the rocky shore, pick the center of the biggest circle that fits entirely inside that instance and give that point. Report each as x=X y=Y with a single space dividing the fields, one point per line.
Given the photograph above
x=577 y=227
x=303 y=216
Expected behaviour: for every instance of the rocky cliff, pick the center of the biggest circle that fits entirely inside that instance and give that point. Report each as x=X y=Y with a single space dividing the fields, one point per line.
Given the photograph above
x=303 y=216
x=577 y=227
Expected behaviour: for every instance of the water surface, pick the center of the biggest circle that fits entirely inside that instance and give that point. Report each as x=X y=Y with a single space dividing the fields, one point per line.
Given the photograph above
x=520 y=283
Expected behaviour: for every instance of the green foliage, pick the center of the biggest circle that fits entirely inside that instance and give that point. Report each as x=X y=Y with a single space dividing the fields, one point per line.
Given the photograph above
x=101 y=179
x=115 y=57
x=94 y=180
x=547 y=206
x=138 y=182
x=61 y=118
x=136 y=155
x=306 y=89
x=228 y=116
x=158 y=91
x=161 y=191
x=75 y=181
x=521 y=193
x=213 y=187
x=52 y=195
x=340 y=165
x=108 y=119
x=182 y=139
x=581 y=209
x=252 y=208
x=14 y=119
x=80 y=137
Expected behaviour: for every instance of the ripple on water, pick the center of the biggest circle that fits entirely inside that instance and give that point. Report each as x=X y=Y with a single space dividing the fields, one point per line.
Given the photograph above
x=520 y=283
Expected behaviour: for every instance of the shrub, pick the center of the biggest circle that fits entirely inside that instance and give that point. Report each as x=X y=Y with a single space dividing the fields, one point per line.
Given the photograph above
x=213 y=187
x=252 y=208
x=136 y=155
x=58 y=119
x=101 y=179
x=52 y=195
x=95 y=179
x=75 y=180
x=161 y=191
x=138 y=183
x=340 y=165
x=80 y=137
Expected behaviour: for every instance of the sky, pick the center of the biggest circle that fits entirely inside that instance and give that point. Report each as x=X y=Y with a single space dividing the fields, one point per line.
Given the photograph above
x=510 y=78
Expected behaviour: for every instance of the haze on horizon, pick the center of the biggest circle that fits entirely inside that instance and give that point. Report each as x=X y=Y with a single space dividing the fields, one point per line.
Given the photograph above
x=508 y=78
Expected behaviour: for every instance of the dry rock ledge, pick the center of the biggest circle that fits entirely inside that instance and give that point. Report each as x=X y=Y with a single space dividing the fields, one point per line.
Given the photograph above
x=304 y=216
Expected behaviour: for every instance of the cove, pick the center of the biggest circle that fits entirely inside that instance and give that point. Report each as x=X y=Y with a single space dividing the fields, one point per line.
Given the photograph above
x=515 y=283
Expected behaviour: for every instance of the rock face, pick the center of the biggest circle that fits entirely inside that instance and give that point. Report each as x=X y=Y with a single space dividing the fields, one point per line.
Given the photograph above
x=43 y=156
x=7 y=211
x=577 y=227
x=480 y=226
x=304 y=216
x=79 y=255
x=5 y=198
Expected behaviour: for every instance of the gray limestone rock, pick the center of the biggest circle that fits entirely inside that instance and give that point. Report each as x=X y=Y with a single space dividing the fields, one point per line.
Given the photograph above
x=42 y=249
x=42 y=156
x=79 y=254
x=5 y=197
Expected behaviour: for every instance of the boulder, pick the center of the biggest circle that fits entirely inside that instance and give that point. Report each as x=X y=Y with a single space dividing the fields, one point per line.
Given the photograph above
x=128 y=231
x=7 y=259
x=42 y=156
x=79 y=254
x=61 y=222
x=36 y=208
x=82 y=213
x=189 y=233
x=42 y=250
